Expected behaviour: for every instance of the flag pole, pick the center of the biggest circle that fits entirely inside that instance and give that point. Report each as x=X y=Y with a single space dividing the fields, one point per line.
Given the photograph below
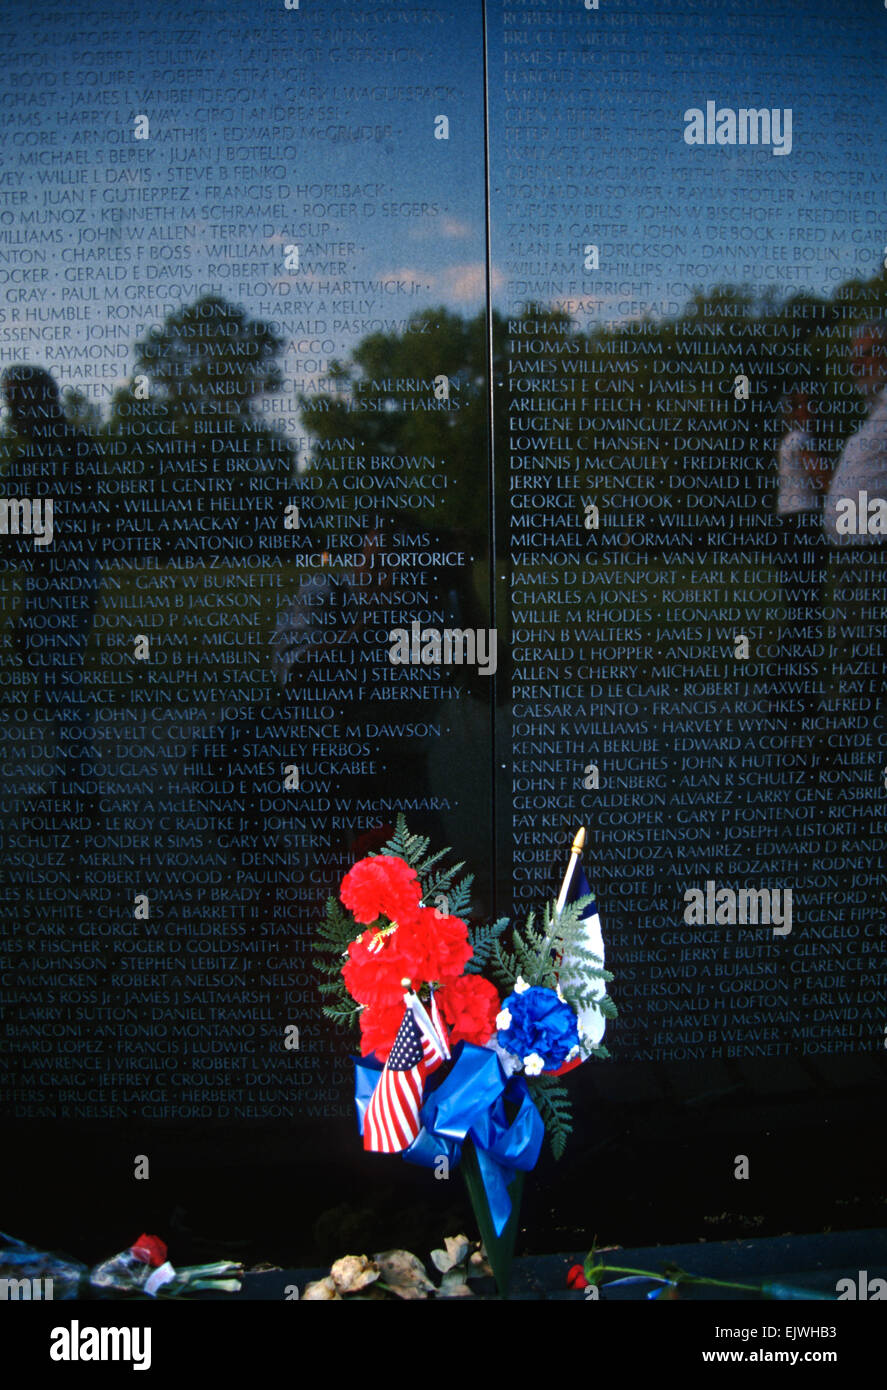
x=575 y=856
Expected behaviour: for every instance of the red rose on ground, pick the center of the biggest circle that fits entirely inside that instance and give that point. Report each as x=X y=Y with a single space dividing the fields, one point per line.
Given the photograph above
x=151 y=1250
x=576 y=1278
x=383 y=886
x=378 y=1029
x=470 y=1006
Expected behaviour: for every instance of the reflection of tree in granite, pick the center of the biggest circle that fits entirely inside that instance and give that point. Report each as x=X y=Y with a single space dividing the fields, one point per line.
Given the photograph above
x=59 y=468
x=403 y=442
x=211 y=354
x=384 y=428
x=626 y=403
x=195 y=466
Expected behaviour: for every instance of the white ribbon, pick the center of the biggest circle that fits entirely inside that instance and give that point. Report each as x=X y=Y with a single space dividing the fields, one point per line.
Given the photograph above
x=164 y=1274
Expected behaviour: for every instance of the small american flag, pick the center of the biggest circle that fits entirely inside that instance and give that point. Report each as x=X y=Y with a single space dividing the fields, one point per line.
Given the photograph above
x=392 y=1116
x=435 y=1048
x=439 y=1026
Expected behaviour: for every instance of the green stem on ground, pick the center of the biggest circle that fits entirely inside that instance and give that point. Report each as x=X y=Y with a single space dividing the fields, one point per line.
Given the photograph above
x=665 y=1279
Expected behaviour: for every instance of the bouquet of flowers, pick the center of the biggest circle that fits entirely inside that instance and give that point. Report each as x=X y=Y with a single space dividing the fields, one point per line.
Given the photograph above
x=465 y=1032
x=143 y=1270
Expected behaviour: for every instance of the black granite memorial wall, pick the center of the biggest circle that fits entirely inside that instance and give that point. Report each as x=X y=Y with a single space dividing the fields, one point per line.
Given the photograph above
x=327 y=331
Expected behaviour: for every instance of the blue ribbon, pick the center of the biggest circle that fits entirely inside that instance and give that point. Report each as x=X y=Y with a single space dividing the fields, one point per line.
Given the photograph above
x=469 y=1101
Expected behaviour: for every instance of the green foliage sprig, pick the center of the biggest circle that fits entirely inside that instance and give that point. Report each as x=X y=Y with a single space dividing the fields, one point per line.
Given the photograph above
x=556 y=956
x=443 y=883
x=484 y=941
x=334 y=935
x=553 y=1101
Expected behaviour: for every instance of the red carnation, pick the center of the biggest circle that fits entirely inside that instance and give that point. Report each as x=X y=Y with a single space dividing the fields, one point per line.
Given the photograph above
x=375 y=978
x=435 y=946
x=383 y=886
x=378 y=1029
x=150 y=1250
x=424 y=948
x=470 y=1006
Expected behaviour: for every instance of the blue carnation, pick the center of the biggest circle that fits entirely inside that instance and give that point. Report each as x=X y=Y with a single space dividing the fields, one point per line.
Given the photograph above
x=541 y=1024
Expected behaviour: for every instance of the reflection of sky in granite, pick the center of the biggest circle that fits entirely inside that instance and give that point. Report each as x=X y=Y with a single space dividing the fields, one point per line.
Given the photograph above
x=669 y=217
x=255 y=109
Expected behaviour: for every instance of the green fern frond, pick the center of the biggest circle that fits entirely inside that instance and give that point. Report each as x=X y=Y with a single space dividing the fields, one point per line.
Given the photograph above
x=397 y=845
x=404 y=845
x=503 y=967
x=334 y=934
x=460 y=896
x=553 y=1102
x=343 y=1013
x=483 y=939
x=428 y=863
x=413 y=849
x=329 y=986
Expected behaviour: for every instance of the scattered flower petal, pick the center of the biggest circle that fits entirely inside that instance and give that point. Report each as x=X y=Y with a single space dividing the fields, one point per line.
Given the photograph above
x=353 y=1272
x=322 y=1291
x=453 y=1285
x=455 y=1251
x=404 y=1274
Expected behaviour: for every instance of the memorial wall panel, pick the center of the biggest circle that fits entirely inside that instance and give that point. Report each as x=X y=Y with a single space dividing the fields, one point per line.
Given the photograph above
x=686 y=251
x=246 y=244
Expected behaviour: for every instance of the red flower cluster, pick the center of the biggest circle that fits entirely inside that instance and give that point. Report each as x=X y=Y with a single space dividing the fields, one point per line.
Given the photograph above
x=378 y=1029
x=407 y=946
x=149 y=1250
x=470 y=1006
x=382 y=886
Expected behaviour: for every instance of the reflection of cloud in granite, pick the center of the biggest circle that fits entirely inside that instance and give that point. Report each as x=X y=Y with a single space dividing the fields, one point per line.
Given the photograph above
x=454 y=284
x=451 y=228
x=454 y=229
x=466 y=283
x=298 y=281
x=408 y=274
